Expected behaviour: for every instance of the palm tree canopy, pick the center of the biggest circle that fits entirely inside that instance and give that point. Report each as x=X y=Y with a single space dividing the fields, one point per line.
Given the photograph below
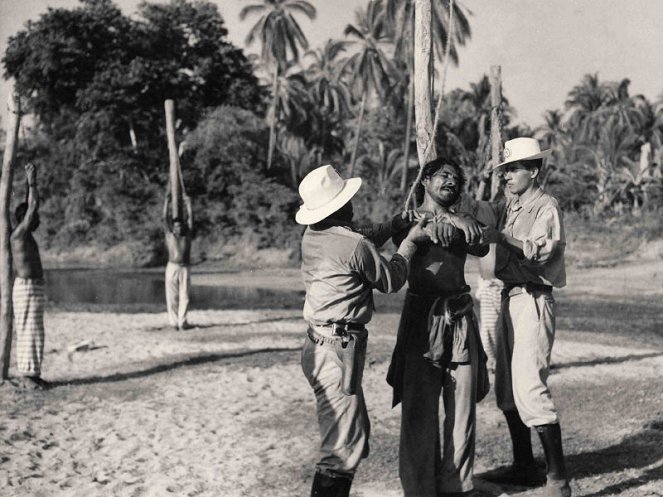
x=277 y=29
x=369 y=65
x=397 y=13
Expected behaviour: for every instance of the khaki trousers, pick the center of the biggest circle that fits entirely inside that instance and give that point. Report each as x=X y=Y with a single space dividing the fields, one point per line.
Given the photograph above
x=178 y=282
x=525 y=339
x=342 y=419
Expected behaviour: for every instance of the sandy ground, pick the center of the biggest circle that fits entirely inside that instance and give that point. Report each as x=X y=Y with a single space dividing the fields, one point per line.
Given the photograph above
x=223 y=409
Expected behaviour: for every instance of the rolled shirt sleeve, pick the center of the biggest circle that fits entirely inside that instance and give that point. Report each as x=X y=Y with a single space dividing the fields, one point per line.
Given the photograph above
x=546 y=237
x=381 y=274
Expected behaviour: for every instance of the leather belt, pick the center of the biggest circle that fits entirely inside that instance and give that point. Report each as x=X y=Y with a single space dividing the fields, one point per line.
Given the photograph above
x=334 y=340
x=512 y=290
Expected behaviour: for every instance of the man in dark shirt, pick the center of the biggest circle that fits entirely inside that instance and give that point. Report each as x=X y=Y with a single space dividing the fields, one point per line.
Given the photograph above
x=438 y=351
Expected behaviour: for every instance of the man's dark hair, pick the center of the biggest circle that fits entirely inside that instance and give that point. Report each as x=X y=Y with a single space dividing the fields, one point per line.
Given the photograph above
x=431 y=168
x=20 y=211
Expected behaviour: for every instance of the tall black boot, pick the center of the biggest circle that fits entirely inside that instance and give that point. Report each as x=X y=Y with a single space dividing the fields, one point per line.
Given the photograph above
x=325 y=485
x=521 y=439
x=551 y=439
x=524 y=471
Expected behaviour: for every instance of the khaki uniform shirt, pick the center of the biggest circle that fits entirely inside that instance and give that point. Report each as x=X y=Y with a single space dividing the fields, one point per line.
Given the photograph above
x=341 y=267
x=538 y=224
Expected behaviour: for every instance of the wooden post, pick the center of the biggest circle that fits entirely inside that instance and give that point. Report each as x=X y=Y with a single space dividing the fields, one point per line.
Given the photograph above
x=495 y=126
x=6 y=276
x=423 y=98
x=423 y=69
x=174 y=159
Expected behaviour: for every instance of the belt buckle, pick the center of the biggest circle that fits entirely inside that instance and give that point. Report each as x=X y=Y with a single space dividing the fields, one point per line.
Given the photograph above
x=341 y=330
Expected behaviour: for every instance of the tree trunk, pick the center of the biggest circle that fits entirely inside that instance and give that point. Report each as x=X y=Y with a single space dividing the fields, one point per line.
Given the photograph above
x=409 y=63
x=482 y=154
x=495 y=126
x=360 y=122
x=408 y=133
x=6 y=276
x=272 y=124
x=169 y=106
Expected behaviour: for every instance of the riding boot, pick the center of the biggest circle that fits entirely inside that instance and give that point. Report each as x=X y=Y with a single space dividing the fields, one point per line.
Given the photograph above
x=524 y=471
x=551 y=439
x=325 y=485
x=521 y=440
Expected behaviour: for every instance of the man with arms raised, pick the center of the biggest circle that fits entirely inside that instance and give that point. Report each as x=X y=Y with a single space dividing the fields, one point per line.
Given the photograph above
x=530 y=262
x=28 y=293
x=438 y=350
x=178 y=271
x=341 y=267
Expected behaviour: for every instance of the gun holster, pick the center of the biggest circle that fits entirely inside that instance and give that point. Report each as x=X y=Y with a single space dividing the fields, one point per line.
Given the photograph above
x=352 y=351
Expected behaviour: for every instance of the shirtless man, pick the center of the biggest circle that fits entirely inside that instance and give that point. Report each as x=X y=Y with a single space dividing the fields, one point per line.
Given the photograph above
x=178 y=272
x=438 y=350
x=28 y=293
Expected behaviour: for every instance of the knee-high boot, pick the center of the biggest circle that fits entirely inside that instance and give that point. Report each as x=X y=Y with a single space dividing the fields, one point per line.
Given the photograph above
x=521 y=440
x=551 y=439
x=524 y=470
x=330 y=486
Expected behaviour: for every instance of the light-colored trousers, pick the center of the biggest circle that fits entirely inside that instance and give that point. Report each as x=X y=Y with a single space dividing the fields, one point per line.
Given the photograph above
x=525 y=340
x=28 y=302
x=428 y=465
x=178 y=281
x=489 y=294
x=342 y=419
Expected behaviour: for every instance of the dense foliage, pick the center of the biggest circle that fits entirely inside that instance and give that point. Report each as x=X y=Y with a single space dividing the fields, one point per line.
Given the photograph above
x=95 y=81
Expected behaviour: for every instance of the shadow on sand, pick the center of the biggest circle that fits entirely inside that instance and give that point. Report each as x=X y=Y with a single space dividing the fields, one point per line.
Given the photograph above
x=187 y=361
x=641 y=451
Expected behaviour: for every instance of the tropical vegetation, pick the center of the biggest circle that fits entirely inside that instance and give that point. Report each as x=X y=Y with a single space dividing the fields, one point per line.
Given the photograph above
x=94 y=81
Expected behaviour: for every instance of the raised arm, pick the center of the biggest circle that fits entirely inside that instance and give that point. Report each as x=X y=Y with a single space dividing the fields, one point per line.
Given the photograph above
x=32 y=200
x=189 y=213
x=166 y=203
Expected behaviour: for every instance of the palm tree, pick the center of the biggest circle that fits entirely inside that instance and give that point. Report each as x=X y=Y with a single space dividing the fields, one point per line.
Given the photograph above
x=281 y=38
x=584 y=101
x=400 y=19
x=326 y=85
x=553 y=131
x=370 y=67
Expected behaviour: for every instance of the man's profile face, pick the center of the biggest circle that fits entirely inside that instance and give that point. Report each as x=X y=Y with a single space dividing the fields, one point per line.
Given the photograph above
x=443 y=186
x=178 y=228
x=519 y=177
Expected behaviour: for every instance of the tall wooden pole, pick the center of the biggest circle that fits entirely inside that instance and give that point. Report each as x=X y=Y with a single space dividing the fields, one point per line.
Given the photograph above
x=423 y=91
x=169 y=106
x=423 y=69
x=495 y=126
x=6 y=273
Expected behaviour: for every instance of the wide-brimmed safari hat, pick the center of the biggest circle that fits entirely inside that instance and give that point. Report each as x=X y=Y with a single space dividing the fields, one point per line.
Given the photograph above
x=324 y=192
x=522 y=149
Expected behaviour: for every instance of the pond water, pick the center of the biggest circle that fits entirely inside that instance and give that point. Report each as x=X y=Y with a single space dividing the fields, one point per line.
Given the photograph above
x=145 y=288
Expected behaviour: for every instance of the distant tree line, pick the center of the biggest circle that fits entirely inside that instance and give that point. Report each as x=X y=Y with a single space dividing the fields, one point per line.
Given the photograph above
x=95 y=81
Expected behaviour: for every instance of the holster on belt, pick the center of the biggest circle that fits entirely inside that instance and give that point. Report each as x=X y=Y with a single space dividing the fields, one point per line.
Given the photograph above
x=351 y=378
x=351 y=350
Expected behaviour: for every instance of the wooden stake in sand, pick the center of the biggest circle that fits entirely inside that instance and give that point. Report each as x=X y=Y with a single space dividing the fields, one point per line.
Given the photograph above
x=6 y=276
x=175 y=177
